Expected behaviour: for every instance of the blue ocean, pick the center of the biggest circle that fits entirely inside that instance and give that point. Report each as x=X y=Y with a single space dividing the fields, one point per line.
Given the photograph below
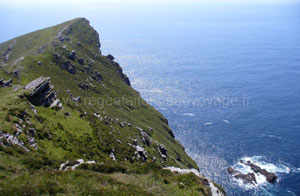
x=228 y=79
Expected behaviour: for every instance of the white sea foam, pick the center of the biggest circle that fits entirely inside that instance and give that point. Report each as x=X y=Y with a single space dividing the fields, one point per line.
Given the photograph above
x=258 y=160
x=208 y=124
x=188 y=114
x=152 y=91
x=226 y=121
x=261 y=179
x=270 y=136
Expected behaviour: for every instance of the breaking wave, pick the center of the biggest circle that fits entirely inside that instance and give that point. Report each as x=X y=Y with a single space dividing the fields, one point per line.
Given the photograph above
x=259 y=161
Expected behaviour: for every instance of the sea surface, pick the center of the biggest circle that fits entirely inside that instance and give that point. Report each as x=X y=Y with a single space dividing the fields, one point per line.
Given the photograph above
x=228 y=79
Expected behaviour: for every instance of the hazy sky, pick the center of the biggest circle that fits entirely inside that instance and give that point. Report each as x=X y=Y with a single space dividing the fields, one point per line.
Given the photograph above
x=18 y=17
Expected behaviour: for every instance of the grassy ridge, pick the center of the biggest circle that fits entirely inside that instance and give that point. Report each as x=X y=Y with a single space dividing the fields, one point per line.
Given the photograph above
x=74 y=132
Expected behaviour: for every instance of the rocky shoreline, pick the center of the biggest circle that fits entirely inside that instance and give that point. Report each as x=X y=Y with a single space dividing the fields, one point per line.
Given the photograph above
x=250 y=177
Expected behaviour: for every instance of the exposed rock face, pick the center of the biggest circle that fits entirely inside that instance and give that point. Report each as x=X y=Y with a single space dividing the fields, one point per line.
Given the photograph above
x=141 y=153
x=162 y=151
x=250 y=177
x=271 y=177
x=98 y=77
x=146 y=139
x=83 y=86
x=246 y=178
x=5 y=83
x=42 y=49
x=12 y=140
x=110 y=57
x=123 y=76
x=7 y=53
x=71 y=165
x=72 y=55
x=41 y=92
x=67 y=65
x=77 y=99
x=81 y=61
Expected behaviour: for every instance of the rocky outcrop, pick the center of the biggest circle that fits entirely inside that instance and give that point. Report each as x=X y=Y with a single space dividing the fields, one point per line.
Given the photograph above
x=81 y=61
x=250 y=178
x=97 y=77
x=71 y=165
x=83 y=86
x=246 y=178
x=123 y=76
x=11 y=140
x=145 y=138
x=42 y=93
x=141 y=153
x=162 y=151
x=67 y=65
x=5 y=83
x=271 y=177
x=72 y=55
x=7 y=53
x=110 y=57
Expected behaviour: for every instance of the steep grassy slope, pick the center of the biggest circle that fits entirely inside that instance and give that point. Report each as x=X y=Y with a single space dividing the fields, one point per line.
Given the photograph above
x=102 y=119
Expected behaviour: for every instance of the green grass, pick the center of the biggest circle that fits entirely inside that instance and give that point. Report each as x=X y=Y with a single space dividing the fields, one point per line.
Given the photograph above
x=63 y=138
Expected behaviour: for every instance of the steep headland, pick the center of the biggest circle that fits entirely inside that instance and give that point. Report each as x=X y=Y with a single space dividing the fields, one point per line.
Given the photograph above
x=71 y=124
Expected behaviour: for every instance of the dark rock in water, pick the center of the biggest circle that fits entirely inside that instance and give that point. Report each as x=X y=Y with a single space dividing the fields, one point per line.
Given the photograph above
x=271 y=177
x=72 y=55
x=81 y=61
x=83 y=86
x=250 y=177
x=110 y=57
x=231 y=170
x=41 y=92
x=246 y=178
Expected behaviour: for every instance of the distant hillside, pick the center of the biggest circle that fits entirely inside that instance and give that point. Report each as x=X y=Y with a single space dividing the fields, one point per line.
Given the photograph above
x=65 y=107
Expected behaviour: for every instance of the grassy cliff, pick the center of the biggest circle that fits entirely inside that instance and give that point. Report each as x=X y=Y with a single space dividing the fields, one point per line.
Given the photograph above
x=99 y=118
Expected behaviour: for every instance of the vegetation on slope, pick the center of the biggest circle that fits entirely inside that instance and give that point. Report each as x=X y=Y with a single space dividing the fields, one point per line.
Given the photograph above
x=102 y=119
